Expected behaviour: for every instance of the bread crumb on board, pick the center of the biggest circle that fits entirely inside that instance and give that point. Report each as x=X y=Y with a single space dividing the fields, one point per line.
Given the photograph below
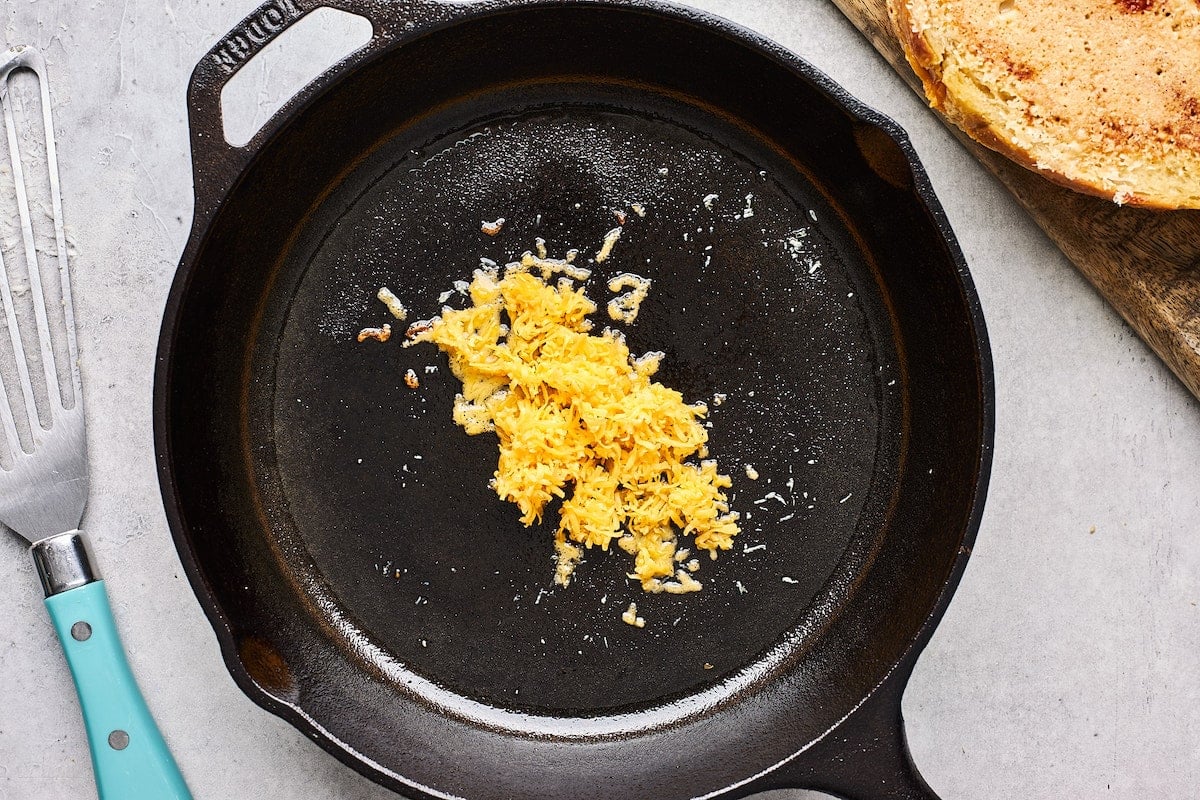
x=751 y=472
x=411 y=380
x=492 y=228
x=380 y=334
x=630 y=617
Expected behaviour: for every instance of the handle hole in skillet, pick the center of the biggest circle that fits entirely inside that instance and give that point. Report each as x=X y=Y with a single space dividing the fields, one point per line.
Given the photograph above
x=285 y=66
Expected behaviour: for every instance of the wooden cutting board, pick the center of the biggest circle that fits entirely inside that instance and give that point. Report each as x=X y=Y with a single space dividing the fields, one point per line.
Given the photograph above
x=1145 y=263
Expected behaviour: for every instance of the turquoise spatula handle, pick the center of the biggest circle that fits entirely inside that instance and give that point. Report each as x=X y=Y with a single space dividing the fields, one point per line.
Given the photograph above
x=129 y=756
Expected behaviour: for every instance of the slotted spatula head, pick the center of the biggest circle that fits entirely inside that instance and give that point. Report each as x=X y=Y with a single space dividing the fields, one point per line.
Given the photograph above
x=44 y=488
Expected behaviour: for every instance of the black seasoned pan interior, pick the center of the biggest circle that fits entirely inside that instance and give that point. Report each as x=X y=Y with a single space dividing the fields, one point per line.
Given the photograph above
x=367 y=582
x=775 y=311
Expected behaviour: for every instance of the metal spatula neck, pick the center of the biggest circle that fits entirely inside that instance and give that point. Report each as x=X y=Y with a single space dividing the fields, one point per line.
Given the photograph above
x=63 y=563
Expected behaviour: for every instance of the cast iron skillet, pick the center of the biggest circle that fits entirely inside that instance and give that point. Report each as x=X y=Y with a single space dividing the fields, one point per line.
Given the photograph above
x=364 y=582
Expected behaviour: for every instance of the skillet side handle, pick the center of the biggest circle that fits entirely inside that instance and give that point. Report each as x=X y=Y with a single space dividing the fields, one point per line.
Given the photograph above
x=215 y=162
x=866 y=757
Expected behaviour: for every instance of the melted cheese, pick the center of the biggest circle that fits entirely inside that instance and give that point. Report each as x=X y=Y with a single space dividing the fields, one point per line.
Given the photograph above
x=624 y=308
x=581 y=422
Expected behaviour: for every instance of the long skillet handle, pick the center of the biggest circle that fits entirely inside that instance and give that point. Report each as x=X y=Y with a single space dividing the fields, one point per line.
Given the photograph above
x=130 y=759
x=215 y=162
x=865 y=757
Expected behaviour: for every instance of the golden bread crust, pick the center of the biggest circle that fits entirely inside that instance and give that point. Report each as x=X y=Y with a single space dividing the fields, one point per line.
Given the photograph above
x=1102 y=96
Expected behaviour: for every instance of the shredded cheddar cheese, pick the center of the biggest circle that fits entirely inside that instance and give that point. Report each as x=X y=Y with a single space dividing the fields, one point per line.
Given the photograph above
x=389 y=299
x=380 y=334
x=630 y=617
x=606 y=247
x=625 y=307
x=580 y=421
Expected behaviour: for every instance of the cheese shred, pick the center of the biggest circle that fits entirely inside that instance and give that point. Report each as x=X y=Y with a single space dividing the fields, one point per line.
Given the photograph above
x=389 y=299
x=624 y=308
x=580 y=422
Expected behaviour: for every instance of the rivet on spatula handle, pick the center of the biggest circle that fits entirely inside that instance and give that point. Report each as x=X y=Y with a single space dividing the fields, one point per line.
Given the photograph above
x=130 y=759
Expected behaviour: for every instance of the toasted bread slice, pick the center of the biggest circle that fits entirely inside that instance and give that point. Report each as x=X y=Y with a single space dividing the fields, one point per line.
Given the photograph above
x=1102 y=96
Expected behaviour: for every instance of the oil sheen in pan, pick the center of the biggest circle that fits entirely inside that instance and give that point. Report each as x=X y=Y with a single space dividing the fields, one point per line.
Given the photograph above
x=757 y=294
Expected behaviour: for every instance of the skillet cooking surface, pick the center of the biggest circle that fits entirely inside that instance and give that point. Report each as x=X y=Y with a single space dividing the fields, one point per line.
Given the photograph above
x=776 y=310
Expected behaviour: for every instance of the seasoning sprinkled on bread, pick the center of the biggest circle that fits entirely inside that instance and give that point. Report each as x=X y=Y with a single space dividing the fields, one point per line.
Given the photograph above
x=1102 y=96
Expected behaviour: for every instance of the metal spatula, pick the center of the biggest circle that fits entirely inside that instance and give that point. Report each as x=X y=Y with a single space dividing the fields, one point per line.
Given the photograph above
x=42 y=496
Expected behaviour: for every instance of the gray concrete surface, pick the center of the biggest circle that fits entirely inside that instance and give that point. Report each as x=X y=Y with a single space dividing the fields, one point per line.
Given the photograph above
x=1066 y=667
